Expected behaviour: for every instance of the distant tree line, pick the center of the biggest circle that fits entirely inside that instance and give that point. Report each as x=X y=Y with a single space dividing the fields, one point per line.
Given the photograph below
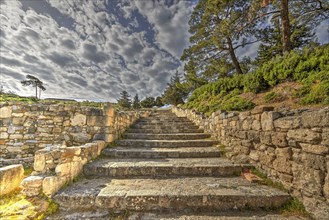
x=149 y=102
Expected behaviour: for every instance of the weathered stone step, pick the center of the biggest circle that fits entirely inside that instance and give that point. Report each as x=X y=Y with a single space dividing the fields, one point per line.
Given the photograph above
x=195 y=194
x=165 y=126
x=168 y=167
x=176 y=136
x=193 y=152
x=102 y=214
x=166 y=123
x=164 y=131
x=164 y=143
x=163 y=120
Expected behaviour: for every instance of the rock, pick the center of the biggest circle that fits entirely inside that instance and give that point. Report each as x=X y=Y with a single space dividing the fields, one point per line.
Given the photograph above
x=279 y=139
x=262 y=108
x=32 y=186
x=315 y=118
x=267 y=119
x=286 y=123
x=5 y=112
x=10 y=178
x=304 y=135
x=81 y=137
x=315 y=149
x=78 y=120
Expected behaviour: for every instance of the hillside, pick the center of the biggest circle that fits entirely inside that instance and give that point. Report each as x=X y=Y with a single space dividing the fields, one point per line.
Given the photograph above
x=299 y=79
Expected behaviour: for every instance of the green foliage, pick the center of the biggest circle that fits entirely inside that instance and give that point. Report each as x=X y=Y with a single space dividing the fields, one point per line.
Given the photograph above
x=136 y=103
x=294 y=207
x=272 y=96
x=174 y=94
x=34 y=82
x=148 y=102
x=124 y=100
x=319 y=93
x=9 y=97
x=310 y=67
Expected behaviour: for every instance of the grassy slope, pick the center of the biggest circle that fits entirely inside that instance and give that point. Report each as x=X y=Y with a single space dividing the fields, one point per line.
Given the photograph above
x=294 y=80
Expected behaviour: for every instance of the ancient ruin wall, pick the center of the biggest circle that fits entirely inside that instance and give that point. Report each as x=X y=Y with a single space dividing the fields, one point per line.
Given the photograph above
x=26 y=128
x=291 y=147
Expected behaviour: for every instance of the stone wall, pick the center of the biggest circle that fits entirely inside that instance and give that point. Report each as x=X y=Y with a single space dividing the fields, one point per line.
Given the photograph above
x=26 y=128
x=291 y=147
x=55 y=167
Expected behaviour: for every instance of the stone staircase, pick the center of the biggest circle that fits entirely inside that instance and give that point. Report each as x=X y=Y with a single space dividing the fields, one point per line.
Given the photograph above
x=165 y=166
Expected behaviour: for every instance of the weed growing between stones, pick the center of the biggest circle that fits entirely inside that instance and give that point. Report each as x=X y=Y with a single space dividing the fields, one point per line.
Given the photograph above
x=266 y=181
x=294 y=207
x=28 y=170
x=111 y=145
x=119 y=216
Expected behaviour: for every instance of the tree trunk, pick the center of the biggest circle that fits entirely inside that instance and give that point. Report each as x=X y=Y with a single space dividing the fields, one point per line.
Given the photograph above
x=285 y=26
x=36 y=92
x=233 y=56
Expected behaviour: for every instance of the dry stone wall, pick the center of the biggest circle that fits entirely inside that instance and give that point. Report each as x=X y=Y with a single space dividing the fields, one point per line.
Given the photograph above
x=291 y=147
x=26 y=128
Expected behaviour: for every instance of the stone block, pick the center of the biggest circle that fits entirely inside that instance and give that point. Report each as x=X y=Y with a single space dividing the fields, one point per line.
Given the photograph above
x=312 y=119
x=313 y=161
x=244 y=115
x=81 y=138
x=4 y=135
x=18 y=121
x=287 y=123
x=5 y=112
x=315 y=149
x=279 y=139
x=32 y=186
x=79 y=120
x=282 y=164
x=267 y=119
x=51 y=184
x=39 y=164
x=10 y=178
x=266 y=138
x=262 y=108
x=326 y=184
x=304 y=135
x=256 y=125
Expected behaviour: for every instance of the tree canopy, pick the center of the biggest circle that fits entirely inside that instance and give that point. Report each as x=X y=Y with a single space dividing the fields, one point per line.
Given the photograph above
x=34 y=82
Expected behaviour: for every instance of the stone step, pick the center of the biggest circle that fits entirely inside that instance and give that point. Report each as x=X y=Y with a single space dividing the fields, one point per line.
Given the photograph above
x=193 y=152
x=163 y=120
x=168 y=167
x=165 y=126
x=188 y=194
x=164 y=131
x=164 y=143
x=101 y=214
x=165 y=123
x=176 y=136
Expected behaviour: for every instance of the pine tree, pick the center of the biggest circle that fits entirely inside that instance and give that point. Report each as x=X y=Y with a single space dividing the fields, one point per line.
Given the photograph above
x=124 y=100
x=173 y=94
x=136 y=102
x=219 y=28
x=158 y=101
x=34 y=82
x=148 y=102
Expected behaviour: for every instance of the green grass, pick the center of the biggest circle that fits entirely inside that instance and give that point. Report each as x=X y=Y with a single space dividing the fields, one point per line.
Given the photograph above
x=272 y=96
x=294 y=207
x=28 y=170
x=266 y=181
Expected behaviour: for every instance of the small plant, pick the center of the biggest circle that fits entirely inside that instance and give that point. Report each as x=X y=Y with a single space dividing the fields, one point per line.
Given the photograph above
x=266 y=181
x=28 y=170
x=294 y=207
x=272 y=96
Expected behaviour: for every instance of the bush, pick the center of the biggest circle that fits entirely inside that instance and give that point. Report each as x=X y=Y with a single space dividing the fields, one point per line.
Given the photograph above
x=272 y=96
x=309 y=66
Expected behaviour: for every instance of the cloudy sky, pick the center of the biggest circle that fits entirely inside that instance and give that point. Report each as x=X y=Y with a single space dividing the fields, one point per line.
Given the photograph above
x=93 y=49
